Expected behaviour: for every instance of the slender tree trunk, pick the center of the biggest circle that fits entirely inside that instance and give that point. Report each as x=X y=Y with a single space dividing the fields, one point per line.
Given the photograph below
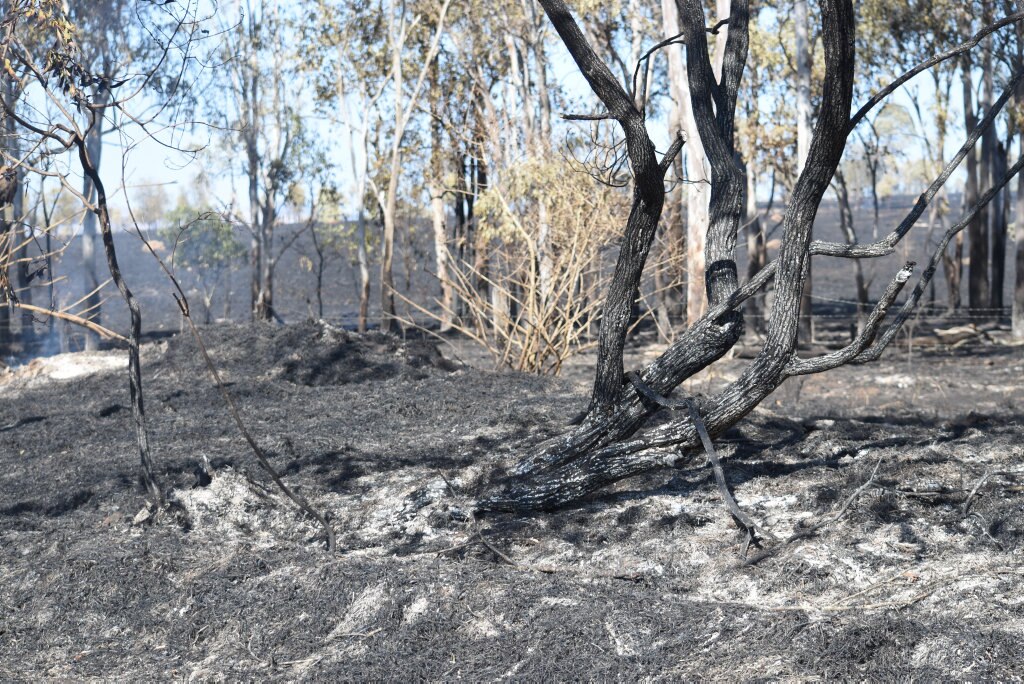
x=698 y=189
x=90 y=237
x=90 y=169
x=435 y=186
x=364 y=272
x=6 y=253
x=1017 y=324
x=999 y=228
x=440 y=230
x=677 y=199
x=978 y=292
x=850 y=235
x=1017 y=313
x=757 y=254
x=28 y=331
x=387 y=280
x=803 y=146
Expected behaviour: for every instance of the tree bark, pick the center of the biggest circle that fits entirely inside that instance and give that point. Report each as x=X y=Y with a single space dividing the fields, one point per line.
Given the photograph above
x=978 y=292
x=999 y=228
x=803 y=142
x=1017 y=322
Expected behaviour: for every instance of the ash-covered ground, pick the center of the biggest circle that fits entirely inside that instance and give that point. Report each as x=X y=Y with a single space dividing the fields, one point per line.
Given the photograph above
x=917 y=577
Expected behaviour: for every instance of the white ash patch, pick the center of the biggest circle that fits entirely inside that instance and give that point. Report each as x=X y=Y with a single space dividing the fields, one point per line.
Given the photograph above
x=359 y=617
x=69 y=366
x=414 y=610
x=232 y=509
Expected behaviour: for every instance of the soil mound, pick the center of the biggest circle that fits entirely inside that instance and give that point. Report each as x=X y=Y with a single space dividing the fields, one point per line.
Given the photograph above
x=313 y=353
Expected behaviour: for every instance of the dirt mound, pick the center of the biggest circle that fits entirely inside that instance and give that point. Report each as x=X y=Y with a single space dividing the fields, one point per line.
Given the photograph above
x=313 y=353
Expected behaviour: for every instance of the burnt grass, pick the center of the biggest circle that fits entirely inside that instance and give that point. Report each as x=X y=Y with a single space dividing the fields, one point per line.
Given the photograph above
x=919 y=578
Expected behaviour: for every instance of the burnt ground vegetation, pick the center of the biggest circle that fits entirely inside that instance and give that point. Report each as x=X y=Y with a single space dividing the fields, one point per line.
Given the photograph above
x=919 y=577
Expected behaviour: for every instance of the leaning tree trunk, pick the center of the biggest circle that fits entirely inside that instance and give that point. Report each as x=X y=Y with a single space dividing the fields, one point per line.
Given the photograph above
x=91 y=171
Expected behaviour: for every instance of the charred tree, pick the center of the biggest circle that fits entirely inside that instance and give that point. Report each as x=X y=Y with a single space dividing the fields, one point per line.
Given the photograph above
x=611 y=441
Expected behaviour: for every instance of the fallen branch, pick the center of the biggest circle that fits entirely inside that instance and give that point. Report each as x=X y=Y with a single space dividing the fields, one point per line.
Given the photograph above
x=723 y=486
x=296 y=498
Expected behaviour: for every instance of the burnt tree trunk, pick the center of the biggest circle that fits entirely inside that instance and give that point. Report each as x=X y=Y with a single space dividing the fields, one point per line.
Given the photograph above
x=998 y=228
x=611 y=442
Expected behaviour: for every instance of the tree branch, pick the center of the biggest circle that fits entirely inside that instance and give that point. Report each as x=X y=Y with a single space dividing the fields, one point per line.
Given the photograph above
x=865 y=338
x=887 y=244
x=929 y=63
x=874 y=351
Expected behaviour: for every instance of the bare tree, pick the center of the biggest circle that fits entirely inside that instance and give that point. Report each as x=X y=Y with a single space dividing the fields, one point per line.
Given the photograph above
x=611 y=442
x=399 y=27
x=58 y=136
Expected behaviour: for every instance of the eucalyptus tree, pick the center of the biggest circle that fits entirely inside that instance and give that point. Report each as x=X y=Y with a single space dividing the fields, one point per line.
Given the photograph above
x=258 y=106
x=117 y=40
x=614 y=439
x=75 y=105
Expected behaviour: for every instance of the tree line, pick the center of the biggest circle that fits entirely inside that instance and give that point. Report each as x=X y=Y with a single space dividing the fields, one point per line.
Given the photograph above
x=361 y=118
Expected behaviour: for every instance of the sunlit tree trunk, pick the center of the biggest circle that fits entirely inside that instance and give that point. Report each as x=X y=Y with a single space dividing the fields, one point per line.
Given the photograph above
x=803 y=144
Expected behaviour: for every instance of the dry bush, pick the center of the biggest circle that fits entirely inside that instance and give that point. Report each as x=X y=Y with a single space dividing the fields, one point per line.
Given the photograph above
x=532 y=292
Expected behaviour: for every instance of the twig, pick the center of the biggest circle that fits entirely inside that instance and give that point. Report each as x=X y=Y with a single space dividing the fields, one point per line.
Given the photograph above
x=362 y=635
x=489 y=545
x=21 y=421
x=967 y=502
x=813 y=529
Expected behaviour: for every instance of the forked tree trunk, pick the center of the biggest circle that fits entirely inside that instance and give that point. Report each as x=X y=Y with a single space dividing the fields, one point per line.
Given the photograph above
x=609 y=445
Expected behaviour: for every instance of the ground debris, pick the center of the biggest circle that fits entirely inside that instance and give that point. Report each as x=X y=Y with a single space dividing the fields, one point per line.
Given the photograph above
x=642 y=580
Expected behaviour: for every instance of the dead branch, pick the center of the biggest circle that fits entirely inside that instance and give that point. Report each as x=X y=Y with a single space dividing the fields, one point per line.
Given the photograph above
x=689 y=404
x=843 y=356
x=71 y=318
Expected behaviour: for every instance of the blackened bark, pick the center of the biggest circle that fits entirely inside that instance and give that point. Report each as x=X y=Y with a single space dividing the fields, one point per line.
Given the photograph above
x=135 y=329
x=714 y=110
x=648 y=198
x=999 y=228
